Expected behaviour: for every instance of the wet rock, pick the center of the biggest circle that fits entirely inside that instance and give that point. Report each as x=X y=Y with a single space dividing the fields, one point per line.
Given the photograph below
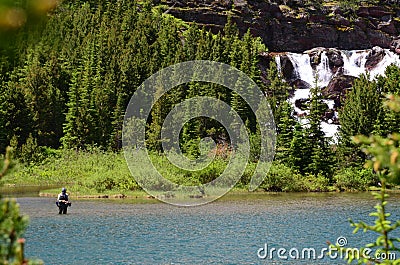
x=361 y=24
x=299 y=84
x=386 y=18
x=335 y=59
x=264 y=60
x=341 y=21
x=337 y=103
x=337 y=88
x=317 y=19
x=315 y=56
x=378 y=38
x=338 y=11
x=287 y=68
x=363 y=11
x=293 y=30
x=240 y=3
x=378 y=11
x=388 y=27
x=302 y=103
x=395 y=45
x=329 y=115
x=274 y=11
x=374 y=57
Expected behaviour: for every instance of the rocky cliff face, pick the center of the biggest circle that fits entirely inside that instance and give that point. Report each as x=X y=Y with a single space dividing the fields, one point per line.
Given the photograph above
x=298 y=28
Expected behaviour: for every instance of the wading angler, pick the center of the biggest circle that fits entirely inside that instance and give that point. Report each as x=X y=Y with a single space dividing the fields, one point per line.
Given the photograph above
x=63 y=201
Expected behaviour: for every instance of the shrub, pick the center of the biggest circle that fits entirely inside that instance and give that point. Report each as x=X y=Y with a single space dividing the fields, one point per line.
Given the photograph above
x=317 y=183
x=104 y=183
x=127 y=182
x=353 y=179
x=281 y=178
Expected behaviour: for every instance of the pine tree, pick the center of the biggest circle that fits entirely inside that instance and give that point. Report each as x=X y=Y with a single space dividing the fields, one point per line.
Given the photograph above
x=357 y=116
x=153 y=131
x=285 y=132
x=73 y=84
x=40 y=82
x=319 y=146
x=15 y=116
x=231 y=33
x=81 y=129
x=191 y=40
x=389 y=83
x=70 y=138
x=278 y=92
x=299 y=152
x=388 y=121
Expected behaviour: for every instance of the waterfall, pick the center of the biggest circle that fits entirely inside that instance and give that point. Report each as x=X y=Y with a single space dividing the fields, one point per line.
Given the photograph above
x=323 y=71
x=354 y=63
x=388 y=59
x=278 y=63
x=302 y=67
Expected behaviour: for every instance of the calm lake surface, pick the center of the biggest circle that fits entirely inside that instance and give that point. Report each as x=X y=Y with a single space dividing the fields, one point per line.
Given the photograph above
x=229 y=231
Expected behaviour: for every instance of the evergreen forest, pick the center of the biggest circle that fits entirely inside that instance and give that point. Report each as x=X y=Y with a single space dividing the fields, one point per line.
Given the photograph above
x=66 y=82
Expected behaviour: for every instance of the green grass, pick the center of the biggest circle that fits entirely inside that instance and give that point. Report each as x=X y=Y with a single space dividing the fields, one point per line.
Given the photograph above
x=96 y=172
x=90 y=169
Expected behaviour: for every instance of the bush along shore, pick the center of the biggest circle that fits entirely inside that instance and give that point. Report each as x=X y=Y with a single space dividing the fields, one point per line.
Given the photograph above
x=104 y=174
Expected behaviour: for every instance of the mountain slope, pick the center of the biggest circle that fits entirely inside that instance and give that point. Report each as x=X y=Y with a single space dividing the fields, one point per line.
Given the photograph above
x=297 y=27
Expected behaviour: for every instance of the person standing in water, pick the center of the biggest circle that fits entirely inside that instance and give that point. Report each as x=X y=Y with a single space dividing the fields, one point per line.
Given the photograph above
x=63 y=201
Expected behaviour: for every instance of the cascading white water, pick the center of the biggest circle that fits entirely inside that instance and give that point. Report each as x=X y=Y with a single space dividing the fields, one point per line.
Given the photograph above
x=304 y=71
x=278 y=63
x=390 y=58
x=354 y=64
x=302 y=67
x=323 y=71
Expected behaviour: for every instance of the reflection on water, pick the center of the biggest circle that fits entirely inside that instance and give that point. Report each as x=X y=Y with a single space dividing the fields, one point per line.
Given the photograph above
x=229 y=231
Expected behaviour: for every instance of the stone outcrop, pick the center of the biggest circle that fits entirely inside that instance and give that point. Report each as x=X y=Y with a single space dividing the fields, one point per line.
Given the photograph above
x=297 y=28
x=374 y=57
x=287 y=68
x=337 y=88
x=395 y=45
x=335 y=59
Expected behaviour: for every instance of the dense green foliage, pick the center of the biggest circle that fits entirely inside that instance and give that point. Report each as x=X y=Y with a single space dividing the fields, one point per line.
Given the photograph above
x=385 y=161
x=64 y=94
x=71 y=87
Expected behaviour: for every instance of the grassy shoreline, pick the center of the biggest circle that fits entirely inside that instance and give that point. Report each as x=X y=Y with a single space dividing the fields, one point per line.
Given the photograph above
x=139 y=194
x=102 y=174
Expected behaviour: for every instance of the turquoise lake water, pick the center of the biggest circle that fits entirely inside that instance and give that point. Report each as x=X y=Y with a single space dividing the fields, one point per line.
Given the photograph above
x=229 y=231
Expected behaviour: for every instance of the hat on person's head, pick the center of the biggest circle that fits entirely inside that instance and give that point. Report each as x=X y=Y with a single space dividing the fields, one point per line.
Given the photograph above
x=63 y=190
